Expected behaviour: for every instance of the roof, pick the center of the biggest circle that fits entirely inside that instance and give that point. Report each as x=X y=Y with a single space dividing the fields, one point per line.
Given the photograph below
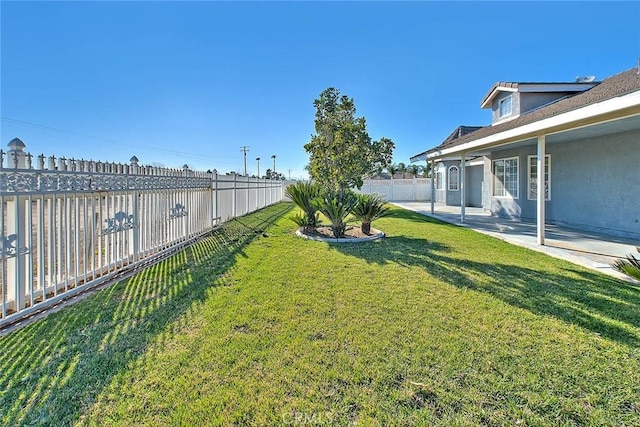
x=577 y=86
x=620 y=84
x=461 y=131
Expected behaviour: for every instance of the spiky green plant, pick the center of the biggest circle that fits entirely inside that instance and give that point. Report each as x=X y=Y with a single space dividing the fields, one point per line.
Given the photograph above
x=303 y=194
x=337 y=208
x=367 y=209
x=629 y=266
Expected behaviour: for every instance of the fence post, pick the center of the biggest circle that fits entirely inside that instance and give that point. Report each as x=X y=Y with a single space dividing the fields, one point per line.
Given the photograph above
x=14 y=241
x=234 y=195
x=247 y=210
x=136 y=229
x=215 y=188
x=212 y=201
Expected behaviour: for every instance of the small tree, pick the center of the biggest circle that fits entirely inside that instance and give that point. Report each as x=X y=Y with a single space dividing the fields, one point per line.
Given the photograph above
x=368 y=208
x=337 y=209
x=304 y=195
x=341 y=152
x=629 y=266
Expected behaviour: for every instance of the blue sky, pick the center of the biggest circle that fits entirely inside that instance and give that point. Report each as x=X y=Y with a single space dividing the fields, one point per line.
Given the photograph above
x=192 y=82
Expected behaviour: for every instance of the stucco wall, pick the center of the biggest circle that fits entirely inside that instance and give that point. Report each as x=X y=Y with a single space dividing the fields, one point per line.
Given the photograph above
x=495 y=106
x=529 y=101
x=595 y=185
x=473 y=185
x=451 y=197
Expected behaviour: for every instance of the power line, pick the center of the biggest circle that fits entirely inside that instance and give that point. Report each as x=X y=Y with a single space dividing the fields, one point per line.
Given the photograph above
x=72 y=132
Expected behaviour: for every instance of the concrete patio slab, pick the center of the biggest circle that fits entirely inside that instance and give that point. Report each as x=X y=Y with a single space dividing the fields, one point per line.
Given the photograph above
x=592 y=250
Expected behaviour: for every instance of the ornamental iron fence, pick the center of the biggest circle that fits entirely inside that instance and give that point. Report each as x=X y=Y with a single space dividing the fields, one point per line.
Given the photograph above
x=68 y=224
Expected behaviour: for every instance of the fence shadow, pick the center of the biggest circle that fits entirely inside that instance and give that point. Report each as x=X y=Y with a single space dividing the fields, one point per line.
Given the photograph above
x=602 y=304
x=54 y=369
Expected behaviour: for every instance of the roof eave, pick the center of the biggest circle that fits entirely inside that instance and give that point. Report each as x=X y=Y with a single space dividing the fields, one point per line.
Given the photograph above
x=611 y=109
x=488 y=99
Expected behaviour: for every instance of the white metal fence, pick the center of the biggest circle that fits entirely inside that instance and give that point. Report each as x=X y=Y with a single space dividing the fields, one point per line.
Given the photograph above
x=411 y=189
x=68 y=224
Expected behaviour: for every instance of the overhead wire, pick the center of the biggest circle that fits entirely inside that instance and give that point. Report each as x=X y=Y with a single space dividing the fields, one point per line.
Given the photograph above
x=72 y=132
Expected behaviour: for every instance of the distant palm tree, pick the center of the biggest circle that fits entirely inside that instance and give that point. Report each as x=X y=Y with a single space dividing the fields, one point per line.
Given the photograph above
x=402 y=168
x=392 y=169
x=414 y=169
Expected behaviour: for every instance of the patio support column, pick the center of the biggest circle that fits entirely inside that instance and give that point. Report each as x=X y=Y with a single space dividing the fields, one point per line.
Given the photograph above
x=540 y=188
x=462 y=178
x=433 y=185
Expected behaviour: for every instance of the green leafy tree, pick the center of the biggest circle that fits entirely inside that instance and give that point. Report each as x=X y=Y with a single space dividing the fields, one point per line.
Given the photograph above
x=341 y=152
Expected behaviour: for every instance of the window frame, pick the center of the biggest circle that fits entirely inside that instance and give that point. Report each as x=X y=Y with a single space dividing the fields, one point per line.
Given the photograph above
x=439 y=177
x=502 y=102
x=457 y=176
x=506 y=193
x=531 y=161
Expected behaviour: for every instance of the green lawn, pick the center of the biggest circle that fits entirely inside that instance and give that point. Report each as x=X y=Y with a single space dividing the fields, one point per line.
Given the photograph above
x=434 y=325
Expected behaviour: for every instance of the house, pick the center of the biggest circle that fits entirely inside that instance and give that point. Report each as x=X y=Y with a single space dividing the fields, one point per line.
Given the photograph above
x=584 y=135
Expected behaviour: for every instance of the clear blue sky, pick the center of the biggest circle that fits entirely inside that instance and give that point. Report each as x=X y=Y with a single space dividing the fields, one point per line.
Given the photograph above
x=192 y=82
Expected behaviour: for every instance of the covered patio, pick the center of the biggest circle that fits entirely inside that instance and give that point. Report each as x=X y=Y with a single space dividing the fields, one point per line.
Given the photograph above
x=589 y=249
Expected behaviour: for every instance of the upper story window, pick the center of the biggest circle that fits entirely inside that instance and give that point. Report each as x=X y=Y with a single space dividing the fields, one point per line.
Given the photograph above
x=505 y=106
x=453 y=180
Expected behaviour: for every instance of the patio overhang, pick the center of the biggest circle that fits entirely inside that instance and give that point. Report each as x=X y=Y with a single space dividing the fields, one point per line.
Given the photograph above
x=611 y=116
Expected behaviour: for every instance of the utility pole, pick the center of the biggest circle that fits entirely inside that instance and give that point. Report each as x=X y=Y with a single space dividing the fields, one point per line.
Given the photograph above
x=245 y=150
x=258 y=160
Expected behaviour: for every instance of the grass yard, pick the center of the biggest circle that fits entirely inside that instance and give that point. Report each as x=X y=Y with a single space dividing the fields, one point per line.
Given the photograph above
x=434 y=325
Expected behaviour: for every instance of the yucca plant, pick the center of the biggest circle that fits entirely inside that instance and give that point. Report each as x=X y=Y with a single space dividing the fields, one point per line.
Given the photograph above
x=303 y=194
x=337 y=209
x=367 y=209
x=629 y=266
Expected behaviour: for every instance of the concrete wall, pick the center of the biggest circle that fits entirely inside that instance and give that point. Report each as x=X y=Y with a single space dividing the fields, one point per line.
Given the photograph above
x=595 y=185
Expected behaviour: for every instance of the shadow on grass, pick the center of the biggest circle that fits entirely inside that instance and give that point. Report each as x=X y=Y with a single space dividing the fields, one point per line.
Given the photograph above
x=53 y=370
x=599 y=303
x=407 y=215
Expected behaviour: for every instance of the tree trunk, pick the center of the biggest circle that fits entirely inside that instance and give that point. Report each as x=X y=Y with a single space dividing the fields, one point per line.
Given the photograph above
x=366 y=227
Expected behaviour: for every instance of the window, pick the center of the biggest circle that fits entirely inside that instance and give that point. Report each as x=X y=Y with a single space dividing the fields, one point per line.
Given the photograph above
x=453 y=181
x=505 y=106
x=505 y=177
x=439 y=178
x=533 y=177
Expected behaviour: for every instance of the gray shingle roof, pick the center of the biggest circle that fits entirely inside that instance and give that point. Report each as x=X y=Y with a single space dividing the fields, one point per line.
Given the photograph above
x=515 y=85
x=611 y=87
